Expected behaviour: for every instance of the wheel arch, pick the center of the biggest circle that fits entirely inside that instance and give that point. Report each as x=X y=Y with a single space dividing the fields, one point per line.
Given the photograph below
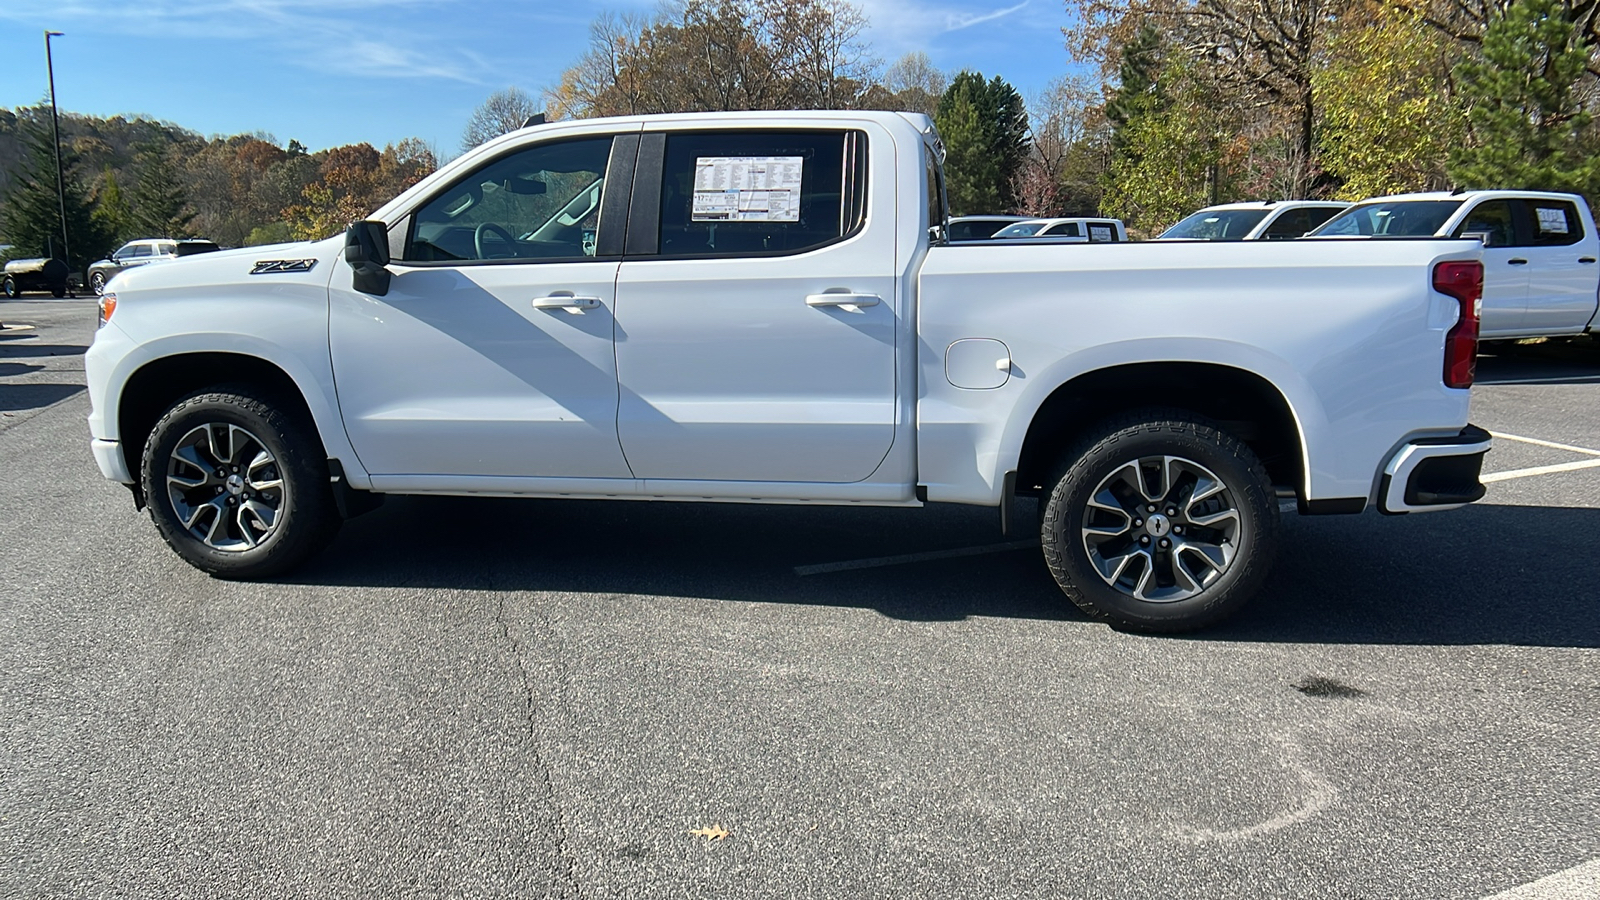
x=157 y=384
x=1244 y=403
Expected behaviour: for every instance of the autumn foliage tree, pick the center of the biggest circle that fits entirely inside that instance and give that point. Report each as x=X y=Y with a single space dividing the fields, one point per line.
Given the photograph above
x=706 y=55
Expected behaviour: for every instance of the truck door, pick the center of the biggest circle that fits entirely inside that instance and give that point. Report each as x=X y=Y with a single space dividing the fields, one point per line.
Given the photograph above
x=756 y=307
x=1505 y=267
x=1561 y=285
x=491 y=353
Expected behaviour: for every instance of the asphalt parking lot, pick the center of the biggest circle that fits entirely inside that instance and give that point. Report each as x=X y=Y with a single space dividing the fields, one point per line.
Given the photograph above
x=486 y=698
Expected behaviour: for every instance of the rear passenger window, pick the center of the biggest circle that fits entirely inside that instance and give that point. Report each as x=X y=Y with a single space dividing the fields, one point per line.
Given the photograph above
x=760 y=193
x=1553 y=223
x=1291 y=224
x=1065 y=229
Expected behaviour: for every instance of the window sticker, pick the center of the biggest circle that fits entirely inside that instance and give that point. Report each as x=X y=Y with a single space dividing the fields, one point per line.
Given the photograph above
x=1100 y=233
x=747 y=188
x=1552 y=221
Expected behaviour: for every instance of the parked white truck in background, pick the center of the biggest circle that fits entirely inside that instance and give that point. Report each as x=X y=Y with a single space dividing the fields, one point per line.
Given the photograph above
x=1540 y=277
x=758 y=307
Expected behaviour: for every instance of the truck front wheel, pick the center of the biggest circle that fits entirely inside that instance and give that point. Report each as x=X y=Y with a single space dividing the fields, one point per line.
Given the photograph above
x=237 y=487
x=1160 y=522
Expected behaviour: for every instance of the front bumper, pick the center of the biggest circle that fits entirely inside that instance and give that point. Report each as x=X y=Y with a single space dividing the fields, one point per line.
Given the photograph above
x=108 y=455
x=1434 y=474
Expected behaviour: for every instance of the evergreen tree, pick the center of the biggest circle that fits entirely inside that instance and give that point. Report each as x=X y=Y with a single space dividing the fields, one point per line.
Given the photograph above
x=972 y=171
x=1138 y=85
x=31 y=217
x=984 y=125
x=159 y=198
x=111 y=209
x=1525 y=117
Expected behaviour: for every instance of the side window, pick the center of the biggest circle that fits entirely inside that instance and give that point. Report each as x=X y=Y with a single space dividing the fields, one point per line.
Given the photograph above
x=1553 y=223
x=1491 y=217
x=1291 y=224
x=938 y=212
x=540 y=203
x=1319 y=214
x=1065 y=229
x=139 y=251
x=759 y=193
x=1102 y=233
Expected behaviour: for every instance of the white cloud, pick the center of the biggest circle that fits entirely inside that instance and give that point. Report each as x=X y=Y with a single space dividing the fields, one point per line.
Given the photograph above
x=900 y=26
x=314 y=34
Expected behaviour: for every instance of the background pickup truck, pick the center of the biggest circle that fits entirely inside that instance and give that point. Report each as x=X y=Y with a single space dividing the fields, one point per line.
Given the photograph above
x=1540 y=277
x=763 y=308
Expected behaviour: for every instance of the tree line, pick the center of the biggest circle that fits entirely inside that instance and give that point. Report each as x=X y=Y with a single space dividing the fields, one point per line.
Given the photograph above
x=1190 y=102
x=133 y=178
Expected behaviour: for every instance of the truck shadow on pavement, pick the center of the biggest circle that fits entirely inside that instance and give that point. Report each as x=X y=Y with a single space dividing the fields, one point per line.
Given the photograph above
x=1549 y=362
x=1481 y=575
x=25 y=396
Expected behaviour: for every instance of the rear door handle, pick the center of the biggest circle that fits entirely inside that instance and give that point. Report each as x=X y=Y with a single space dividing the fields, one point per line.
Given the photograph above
x=849 y=302
x=1517 y=262
x=568 y=301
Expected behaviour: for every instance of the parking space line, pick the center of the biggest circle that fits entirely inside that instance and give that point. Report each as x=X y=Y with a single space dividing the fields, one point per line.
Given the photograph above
x=1577 y=883
x=902 y=559
x=1492 y=477
x=1551 y=444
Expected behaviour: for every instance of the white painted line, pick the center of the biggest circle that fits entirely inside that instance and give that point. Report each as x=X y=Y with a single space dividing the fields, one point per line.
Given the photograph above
x=1538 y=443
x=1577 y=883
x=877 y=561
x=1492 y=477
x=1568 y=379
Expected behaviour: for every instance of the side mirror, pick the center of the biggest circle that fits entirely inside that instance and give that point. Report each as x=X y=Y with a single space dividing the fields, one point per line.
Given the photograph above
x=366 y=249
x=1483 y=237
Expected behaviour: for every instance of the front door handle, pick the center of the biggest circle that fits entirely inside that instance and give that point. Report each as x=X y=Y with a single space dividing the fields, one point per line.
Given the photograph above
x=568 y=301
x=1586 y=259
x=1517 y=262
x=847 y=301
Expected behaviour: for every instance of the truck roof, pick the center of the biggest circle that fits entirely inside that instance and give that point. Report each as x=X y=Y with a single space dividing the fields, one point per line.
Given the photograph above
x=1474 y=195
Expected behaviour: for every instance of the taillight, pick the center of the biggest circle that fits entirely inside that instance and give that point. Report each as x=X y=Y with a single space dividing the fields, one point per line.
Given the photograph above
x=1464 y=282
x=108 y=305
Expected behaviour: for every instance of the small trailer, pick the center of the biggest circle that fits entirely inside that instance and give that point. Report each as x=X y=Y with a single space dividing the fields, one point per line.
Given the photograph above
x=35 y=275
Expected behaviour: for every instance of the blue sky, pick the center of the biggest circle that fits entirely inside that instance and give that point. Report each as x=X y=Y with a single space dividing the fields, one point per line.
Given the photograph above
x=330 y=72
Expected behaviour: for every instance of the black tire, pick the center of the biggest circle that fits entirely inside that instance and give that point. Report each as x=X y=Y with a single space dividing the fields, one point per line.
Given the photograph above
x=10 y=288
x=238 y=423
x=97 y=282
x=1184 y=591
x=58 y=292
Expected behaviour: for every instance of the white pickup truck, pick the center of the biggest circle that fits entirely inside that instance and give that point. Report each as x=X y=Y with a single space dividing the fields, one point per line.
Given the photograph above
x=750 y=307
x=1541 y=277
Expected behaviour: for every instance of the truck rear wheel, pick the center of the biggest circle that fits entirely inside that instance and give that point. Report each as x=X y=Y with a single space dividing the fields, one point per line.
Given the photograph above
x=237 y=487
x=1160 y=522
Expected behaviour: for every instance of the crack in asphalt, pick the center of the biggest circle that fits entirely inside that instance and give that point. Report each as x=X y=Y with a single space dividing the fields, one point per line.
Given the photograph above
x=530 y=710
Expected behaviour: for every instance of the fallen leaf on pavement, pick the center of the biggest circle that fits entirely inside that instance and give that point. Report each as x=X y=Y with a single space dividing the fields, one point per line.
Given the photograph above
x=711 y=833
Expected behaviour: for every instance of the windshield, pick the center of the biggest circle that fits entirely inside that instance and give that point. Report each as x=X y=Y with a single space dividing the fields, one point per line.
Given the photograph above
x=1399 y=218
x=1217 y=225
x=1021 y=229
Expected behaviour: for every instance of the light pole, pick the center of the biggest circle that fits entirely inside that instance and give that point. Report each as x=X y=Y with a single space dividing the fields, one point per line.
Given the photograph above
x=55 y=131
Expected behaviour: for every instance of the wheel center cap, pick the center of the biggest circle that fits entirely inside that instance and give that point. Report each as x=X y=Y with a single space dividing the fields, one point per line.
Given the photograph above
x=235 y=484
x=1158 y=525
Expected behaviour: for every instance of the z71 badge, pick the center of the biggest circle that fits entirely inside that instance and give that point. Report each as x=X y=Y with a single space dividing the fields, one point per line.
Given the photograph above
x=270 y=266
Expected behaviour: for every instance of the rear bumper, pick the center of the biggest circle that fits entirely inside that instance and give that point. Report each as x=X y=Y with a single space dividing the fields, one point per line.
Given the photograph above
x=1434 y=474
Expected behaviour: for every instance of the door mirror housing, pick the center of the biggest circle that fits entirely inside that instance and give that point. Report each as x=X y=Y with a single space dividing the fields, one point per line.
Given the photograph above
x=366 y=249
